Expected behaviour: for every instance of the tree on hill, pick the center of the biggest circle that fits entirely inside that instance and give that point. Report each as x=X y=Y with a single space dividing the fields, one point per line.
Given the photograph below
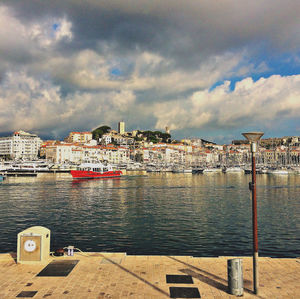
x=156 y=136
x=97 y=133
x=166 y=137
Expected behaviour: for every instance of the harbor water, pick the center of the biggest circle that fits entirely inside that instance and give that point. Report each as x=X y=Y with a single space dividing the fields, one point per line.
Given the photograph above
x=158 y=214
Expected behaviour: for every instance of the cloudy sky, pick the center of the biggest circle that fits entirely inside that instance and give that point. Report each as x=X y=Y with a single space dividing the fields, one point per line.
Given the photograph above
x=209 y=69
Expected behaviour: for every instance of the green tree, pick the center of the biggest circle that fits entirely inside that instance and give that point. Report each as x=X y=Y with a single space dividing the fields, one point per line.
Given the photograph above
x=97 y=133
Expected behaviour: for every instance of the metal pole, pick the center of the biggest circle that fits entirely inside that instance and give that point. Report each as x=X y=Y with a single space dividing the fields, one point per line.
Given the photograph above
x=254 y=226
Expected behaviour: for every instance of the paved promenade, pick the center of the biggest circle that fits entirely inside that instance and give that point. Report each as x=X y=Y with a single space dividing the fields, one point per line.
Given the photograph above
x=117 y=275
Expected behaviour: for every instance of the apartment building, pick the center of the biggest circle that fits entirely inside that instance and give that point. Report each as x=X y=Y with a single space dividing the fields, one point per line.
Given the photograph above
x=269 y=156
x=21 y=145
x=60 y=153
x=79 y=137
x=74 y=153
x=106 y=139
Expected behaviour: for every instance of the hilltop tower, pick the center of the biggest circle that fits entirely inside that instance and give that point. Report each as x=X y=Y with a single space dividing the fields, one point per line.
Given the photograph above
x=121 y=127
x=167 y=130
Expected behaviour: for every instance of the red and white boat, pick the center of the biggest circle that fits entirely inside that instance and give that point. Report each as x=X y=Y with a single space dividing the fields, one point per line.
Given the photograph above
x=92 y=170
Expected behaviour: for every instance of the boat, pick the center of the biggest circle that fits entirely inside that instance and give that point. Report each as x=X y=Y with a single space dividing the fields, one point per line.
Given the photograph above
x=278 y=171
x=178 y=170
x=21 y=174
x=95 y=170
x=296 y=170
x=211 y=170
x=28 y=166
x=153 y=169
x=197 y=170
x=258 y=171
x=234 y=169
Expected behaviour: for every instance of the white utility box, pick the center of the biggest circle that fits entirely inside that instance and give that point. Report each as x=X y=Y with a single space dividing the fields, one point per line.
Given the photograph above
x=34 y=245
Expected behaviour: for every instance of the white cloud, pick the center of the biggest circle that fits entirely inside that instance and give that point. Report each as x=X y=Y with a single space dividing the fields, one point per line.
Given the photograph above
x=49 y=32
x=266 y=101
x=19 y=39
x=27 y=103
x=35 y=104
x=89 y=70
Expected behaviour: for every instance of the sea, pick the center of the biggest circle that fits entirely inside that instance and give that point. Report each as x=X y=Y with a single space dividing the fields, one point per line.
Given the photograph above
x=199 y=215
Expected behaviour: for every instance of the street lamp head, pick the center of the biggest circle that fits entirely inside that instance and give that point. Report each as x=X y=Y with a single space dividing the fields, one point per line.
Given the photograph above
x=253 y=136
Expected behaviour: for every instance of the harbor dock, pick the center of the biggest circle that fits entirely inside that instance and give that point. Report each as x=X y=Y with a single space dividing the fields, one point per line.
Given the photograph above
x=117 y=275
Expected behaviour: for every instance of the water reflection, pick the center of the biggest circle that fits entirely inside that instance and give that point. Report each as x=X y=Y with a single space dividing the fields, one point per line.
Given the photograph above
x=178 y=214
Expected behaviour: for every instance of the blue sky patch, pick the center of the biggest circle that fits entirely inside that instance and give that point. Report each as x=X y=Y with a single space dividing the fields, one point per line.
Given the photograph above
x=115 y=72
x=55 y=26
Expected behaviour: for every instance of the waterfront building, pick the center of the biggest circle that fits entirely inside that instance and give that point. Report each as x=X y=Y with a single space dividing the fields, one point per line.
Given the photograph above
x=59 y=153
x=76 y=153
x=294 y=156
x=195 y=152
x=281 y=156
x=44 y=146
x=81 y=137
x=116 y=155
x=198 y=159
x=21 y=145
x=269 y=156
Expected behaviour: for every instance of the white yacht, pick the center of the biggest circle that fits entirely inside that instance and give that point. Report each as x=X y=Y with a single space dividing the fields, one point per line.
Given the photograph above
x=234 y=169
x=278 y=171
x=212 y=170
x=28 y=166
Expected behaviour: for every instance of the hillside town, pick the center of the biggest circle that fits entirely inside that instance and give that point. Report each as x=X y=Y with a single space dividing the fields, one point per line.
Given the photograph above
x=152 y=151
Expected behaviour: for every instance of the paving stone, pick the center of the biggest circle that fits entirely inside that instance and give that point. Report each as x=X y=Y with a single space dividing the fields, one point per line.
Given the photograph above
x=145 y=277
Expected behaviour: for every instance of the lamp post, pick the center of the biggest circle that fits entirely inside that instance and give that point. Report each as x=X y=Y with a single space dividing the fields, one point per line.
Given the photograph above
x=253 y=138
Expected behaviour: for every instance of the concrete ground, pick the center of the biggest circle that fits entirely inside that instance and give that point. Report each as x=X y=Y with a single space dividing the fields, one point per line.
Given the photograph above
x=117 y=275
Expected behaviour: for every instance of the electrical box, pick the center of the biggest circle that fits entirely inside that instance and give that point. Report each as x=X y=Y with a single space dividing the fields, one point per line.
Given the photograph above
x=34 y=245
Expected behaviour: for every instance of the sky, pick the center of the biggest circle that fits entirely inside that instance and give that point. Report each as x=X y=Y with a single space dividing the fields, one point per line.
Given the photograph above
x=207 y=69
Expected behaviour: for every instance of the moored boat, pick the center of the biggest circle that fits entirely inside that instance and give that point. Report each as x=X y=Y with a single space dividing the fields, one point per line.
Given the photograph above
x=278 y=171
x=197 y=170
x=95 y=170
x=26 y=166
x=211 y=170
x=234 y=169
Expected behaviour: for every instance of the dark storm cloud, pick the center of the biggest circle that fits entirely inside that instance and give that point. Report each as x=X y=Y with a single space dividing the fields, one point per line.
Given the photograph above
x=186 y=31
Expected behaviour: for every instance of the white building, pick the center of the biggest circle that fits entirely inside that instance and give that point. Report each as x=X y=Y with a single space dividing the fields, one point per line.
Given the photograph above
x=106 y=139
x=67 y=152
x=80 y=137
x=59 y=153
x=21 y=145
x=123 y=140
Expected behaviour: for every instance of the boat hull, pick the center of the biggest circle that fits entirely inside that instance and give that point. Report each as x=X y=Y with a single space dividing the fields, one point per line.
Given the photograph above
x=212 y=170
x=279 y=172
x=83 y=174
